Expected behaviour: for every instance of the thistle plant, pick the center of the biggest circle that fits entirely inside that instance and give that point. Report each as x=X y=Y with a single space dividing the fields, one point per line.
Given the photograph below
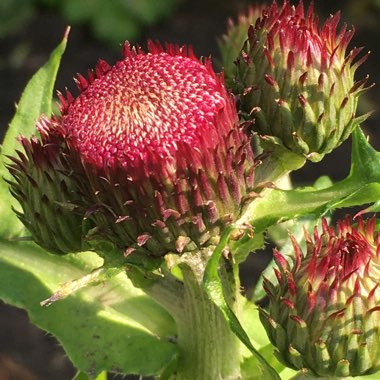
x=159 y=178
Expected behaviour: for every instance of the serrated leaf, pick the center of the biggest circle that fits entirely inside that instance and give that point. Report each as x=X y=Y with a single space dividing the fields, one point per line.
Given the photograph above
x=111 y=327
x=35 y=100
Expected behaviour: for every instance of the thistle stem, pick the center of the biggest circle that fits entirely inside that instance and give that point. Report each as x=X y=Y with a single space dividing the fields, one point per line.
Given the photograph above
x=208 y=349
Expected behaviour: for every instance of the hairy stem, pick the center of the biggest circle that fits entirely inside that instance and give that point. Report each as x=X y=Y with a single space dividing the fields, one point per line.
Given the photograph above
x=208 y=349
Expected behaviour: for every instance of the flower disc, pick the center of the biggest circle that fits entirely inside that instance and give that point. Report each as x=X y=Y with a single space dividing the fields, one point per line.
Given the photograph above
x=145 y=103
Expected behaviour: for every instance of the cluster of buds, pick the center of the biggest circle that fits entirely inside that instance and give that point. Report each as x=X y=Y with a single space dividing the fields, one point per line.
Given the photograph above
x=152 y=157
x=296 y=81
x=324 y=312
x=150 y=154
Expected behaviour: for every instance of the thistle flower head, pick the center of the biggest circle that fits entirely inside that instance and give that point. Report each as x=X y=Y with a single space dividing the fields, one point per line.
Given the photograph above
x=155 y=150
x=324 y=311
x=297 y=80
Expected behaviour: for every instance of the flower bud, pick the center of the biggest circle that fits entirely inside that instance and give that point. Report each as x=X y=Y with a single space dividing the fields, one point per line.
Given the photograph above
x=324 y=313
x=296 y=80
x=155 y=149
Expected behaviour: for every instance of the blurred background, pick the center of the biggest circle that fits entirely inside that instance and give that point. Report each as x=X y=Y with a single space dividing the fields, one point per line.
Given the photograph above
x=29 y=31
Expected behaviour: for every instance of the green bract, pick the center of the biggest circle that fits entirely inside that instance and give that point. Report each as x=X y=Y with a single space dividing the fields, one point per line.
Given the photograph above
x=45 y=189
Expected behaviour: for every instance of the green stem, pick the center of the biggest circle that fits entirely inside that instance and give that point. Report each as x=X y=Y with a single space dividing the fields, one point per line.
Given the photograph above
x=294 y=202
x=208 y=349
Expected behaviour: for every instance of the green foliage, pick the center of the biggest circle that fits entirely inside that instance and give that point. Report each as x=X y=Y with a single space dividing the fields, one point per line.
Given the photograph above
x=112 y=21
x=113 y=327
x=35 y=101
x=14 y=14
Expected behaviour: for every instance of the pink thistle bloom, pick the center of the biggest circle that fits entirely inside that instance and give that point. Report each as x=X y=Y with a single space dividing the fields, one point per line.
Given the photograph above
x=324 y=311
x=153 y=149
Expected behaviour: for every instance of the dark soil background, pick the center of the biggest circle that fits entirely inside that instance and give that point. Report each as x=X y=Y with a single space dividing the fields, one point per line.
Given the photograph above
x=26 y=353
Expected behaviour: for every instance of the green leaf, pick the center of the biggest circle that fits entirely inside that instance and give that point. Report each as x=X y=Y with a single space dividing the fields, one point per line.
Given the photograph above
x=110 y=327
x=365 y=161
x=83 y=376
x=35 y=100
x=251 y=321
x=214 y=289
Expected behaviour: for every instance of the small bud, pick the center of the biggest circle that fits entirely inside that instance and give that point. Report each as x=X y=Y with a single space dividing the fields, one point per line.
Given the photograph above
x=324 y=310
